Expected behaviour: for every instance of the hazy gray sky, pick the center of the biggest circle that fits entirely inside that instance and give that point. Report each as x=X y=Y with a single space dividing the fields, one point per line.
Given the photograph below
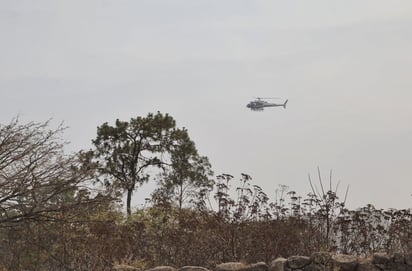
x=345 y=66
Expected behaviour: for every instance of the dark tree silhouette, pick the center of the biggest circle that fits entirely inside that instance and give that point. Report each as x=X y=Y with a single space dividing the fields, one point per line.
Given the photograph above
x=127 y=149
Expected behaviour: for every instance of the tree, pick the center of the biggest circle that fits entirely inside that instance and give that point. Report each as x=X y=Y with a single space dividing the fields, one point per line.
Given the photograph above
x=36 y=178
x=128 y=149
x=46 y=198
x=188 y=174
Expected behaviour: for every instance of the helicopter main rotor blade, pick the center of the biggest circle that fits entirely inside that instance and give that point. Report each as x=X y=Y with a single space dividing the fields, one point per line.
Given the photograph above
x=266 y=98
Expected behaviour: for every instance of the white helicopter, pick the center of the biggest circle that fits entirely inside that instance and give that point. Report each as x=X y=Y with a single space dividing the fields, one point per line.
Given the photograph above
x=259 y=104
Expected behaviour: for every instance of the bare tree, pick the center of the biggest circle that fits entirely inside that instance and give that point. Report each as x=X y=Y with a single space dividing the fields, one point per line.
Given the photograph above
x=36 y=179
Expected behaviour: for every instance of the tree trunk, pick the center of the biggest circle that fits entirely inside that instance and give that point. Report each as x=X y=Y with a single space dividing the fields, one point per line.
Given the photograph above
x=128 y=201
x=180 y=196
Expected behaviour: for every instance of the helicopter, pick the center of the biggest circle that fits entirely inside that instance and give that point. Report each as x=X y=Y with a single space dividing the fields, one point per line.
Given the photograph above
x=259 y=104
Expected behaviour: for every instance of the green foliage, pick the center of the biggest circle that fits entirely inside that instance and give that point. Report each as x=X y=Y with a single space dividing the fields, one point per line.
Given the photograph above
x=127 y=149
x=187 y=175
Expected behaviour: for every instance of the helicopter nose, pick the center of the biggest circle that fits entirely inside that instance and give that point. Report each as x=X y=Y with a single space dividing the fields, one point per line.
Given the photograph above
x=248 y=105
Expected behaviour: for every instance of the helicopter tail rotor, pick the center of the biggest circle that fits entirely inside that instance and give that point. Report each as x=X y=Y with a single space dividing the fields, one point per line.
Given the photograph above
x=284 y=104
